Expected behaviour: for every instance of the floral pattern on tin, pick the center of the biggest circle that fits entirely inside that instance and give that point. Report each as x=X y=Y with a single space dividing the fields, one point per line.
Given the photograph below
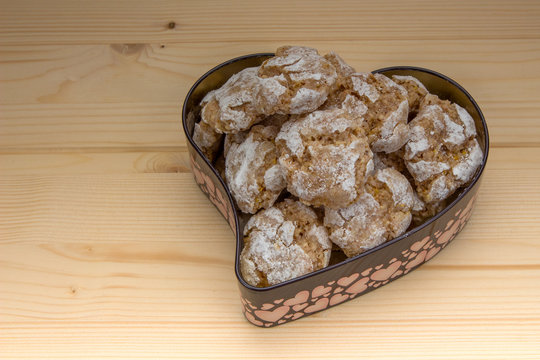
x=219 y=199
x=348 y=287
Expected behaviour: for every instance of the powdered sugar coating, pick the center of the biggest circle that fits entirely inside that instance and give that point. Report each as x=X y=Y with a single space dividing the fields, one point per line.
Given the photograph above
x=394 y=132
x=416 y=91
x=418 y=141
x=467 y=120
x=442 y=153
x=423 y=170
x=344 y=72
x=283 y=242
x=386 y=112
x=237 y=138
x=295 y=81
x=355 y=228
x=381 y=213
x=274 y=178
x=407 y=78
x=231 y=108
x=326 y=156
x=233 y=138
x=465 y=169
x=252 y=172
x=399 y=186
x=363 y=88
x=392 y=160
x=343 y=69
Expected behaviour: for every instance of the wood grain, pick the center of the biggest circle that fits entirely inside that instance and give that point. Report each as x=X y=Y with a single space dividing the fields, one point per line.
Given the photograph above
x=95 y=97
x=65 y=22
x=84 y=206
x=148 y=72
x=109 y=250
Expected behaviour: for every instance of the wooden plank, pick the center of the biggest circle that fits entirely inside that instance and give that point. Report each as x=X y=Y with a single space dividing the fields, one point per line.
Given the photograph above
x=88 y=163
x=154 y=298
x=93 y=262
x=104 y=208
x=89 y=97
x=109 y=250
x=110 y=204
x=498 y=339
x=91 y=127
x=90 y=22
x=147 y=127
x=151 y=73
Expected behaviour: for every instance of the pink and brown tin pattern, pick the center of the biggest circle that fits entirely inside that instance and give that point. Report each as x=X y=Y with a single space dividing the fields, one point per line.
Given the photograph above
x=355 y=276
x=348 y=287
x=215 y=193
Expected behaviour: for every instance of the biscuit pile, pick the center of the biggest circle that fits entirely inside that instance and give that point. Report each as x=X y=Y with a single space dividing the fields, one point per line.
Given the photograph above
x=324 y=156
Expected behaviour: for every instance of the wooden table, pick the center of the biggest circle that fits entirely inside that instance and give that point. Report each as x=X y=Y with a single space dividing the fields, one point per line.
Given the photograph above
x=109 y=250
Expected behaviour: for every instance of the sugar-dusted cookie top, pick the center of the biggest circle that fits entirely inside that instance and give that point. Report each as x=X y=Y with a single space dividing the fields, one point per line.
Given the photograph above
x=283 y=242
x=381 y=213
x=416 y=91
x=252 y=171
x=234 y=138
x=443 y=152
x=326 y=157
x=296 y=80
x=388 y=108
x=343 y=69
x=231 y=108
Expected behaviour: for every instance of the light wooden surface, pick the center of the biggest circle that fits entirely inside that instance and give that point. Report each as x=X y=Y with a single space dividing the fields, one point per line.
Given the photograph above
x=109 y=250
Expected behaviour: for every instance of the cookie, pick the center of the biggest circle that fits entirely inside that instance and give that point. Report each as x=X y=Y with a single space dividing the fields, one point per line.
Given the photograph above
x=345 y=99
x=207 y=139
x=236 y=138
x=416 y=91
x=443 y=152
x=388 y=108
x=326 y=157
x=276 y=120
x=295 y=81
x=232 y=108
x=253 y=174
x=393 y=160
x=283 y=242
x=381 y=213
x=343 y=69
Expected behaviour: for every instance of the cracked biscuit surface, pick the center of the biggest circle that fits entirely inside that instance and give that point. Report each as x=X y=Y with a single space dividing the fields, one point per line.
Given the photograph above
x=443 y=152
x=343 y=69
x=388 y=108
x=296 y=80
x=252 y=171
x=416 y=91
x=326 y=157
x=232 y=108
x=282 y=242
x=381 y=102
x=381 y=213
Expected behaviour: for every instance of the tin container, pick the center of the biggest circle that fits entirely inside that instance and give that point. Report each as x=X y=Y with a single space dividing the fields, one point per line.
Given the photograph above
x=352 y=277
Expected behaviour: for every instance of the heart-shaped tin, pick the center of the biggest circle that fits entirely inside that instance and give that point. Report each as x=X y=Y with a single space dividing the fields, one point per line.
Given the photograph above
x=352 y=277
